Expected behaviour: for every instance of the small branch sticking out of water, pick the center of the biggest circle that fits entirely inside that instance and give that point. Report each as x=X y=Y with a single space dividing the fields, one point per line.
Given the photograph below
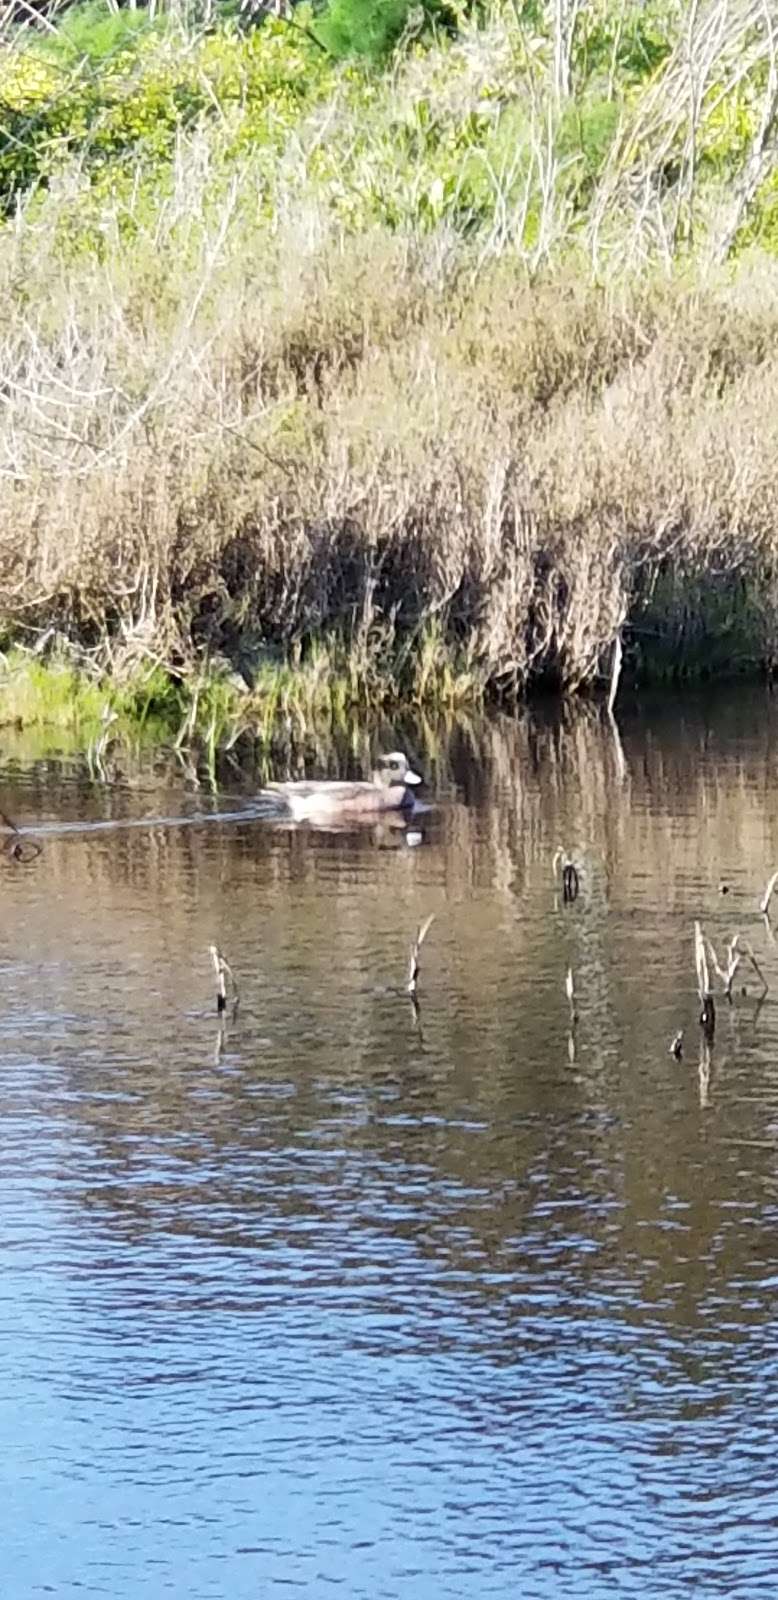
x=701 y=962
x=708 y=1018
x=676 y=1048
x=571 y=882
x=413 y=965
x=736 y=949
x=707 y=1007
x=223 y=970
x=768 y=895
x=570 y=992
x=616 y=661
x=726 y=974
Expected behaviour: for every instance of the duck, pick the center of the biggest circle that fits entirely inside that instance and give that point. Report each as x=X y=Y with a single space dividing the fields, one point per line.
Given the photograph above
x=390 y=789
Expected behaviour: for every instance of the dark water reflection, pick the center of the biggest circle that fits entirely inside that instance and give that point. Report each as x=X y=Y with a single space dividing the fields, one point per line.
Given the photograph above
x=336 y=1298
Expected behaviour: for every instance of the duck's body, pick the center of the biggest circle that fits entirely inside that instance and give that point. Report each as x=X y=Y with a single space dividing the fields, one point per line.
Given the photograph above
x=391 y=789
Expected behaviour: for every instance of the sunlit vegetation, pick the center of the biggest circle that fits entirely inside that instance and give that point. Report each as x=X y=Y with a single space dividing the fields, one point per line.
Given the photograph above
x=386 y=353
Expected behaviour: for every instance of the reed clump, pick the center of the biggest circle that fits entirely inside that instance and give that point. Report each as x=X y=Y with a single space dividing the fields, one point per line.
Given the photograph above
x=483 y=487
x=423 y=456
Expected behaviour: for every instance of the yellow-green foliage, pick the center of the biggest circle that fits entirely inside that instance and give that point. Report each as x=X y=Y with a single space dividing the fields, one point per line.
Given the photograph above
x=55 y=693
x=131 y=105
x=466 y=134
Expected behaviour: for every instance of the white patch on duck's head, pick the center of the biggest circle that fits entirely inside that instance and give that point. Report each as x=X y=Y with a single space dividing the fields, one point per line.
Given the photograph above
x=393 y=769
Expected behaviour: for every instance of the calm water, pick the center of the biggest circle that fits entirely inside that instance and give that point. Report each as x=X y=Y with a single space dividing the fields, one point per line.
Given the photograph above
x=339 y=1299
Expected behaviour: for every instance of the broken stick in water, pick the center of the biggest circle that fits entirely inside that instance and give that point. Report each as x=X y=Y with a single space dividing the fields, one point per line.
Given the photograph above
x=708 y=1018
x=700 y=961
x=413 y=965
x=223 y=970
x=768 y=895
x=676 y=1048
x=571 y=881
x=726 y=974
x=707 y=1007
x=736 y=949
x=570 y=992
x=616 y=662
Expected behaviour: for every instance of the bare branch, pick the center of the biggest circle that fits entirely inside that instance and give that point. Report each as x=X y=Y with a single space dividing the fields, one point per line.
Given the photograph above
x=413 y=965
x=701 y=963
x=768 y=895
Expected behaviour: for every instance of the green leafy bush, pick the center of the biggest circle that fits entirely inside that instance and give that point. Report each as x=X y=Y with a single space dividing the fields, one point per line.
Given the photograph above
x=93 y=33
x=372 y=28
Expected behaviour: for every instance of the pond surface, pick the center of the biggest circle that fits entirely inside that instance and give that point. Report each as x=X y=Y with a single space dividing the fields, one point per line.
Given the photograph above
x=336 y=1297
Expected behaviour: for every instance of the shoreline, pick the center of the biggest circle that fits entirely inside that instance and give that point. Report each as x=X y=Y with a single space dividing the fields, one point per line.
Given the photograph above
x=216 y=707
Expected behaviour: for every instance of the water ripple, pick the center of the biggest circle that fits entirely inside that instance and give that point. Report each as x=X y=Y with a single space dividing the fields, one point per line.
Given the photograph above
x=333 y=1297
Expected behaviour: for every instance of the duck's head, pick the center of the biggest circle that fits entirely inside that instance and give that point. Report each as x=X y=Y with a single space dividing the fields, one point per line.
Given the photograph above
x=392 y=771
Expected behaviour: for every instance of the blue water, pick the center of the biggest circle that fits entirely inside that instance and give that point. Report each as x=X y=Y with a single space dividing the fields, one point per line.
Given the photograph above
x=336 y=1298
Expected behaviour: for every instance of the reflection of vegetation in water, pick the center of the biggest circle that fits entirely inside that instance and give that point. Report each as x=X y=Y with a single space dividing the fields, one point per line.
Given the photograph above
x=652 y=827
x=567 y=776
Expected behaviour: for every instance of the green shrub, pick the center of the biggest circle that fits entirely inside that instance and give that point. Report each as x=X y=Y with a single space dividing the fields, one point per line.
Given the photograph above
x=372 y=28
x=93 y=33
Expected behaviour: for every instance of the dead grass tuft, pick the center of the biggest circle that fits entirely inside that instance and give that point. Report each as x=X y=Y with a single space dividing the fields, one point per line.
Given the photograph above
x=363 y=440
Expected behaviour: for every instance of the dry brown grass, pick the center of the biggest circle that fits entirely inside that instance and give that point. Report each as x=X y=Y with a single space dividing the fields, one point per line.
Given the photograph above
x=232 y=448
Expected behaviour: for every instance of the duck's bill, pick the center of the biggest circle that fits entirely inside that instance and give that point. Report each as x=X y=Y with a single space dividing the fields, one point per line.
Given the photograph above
x=412 y=777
